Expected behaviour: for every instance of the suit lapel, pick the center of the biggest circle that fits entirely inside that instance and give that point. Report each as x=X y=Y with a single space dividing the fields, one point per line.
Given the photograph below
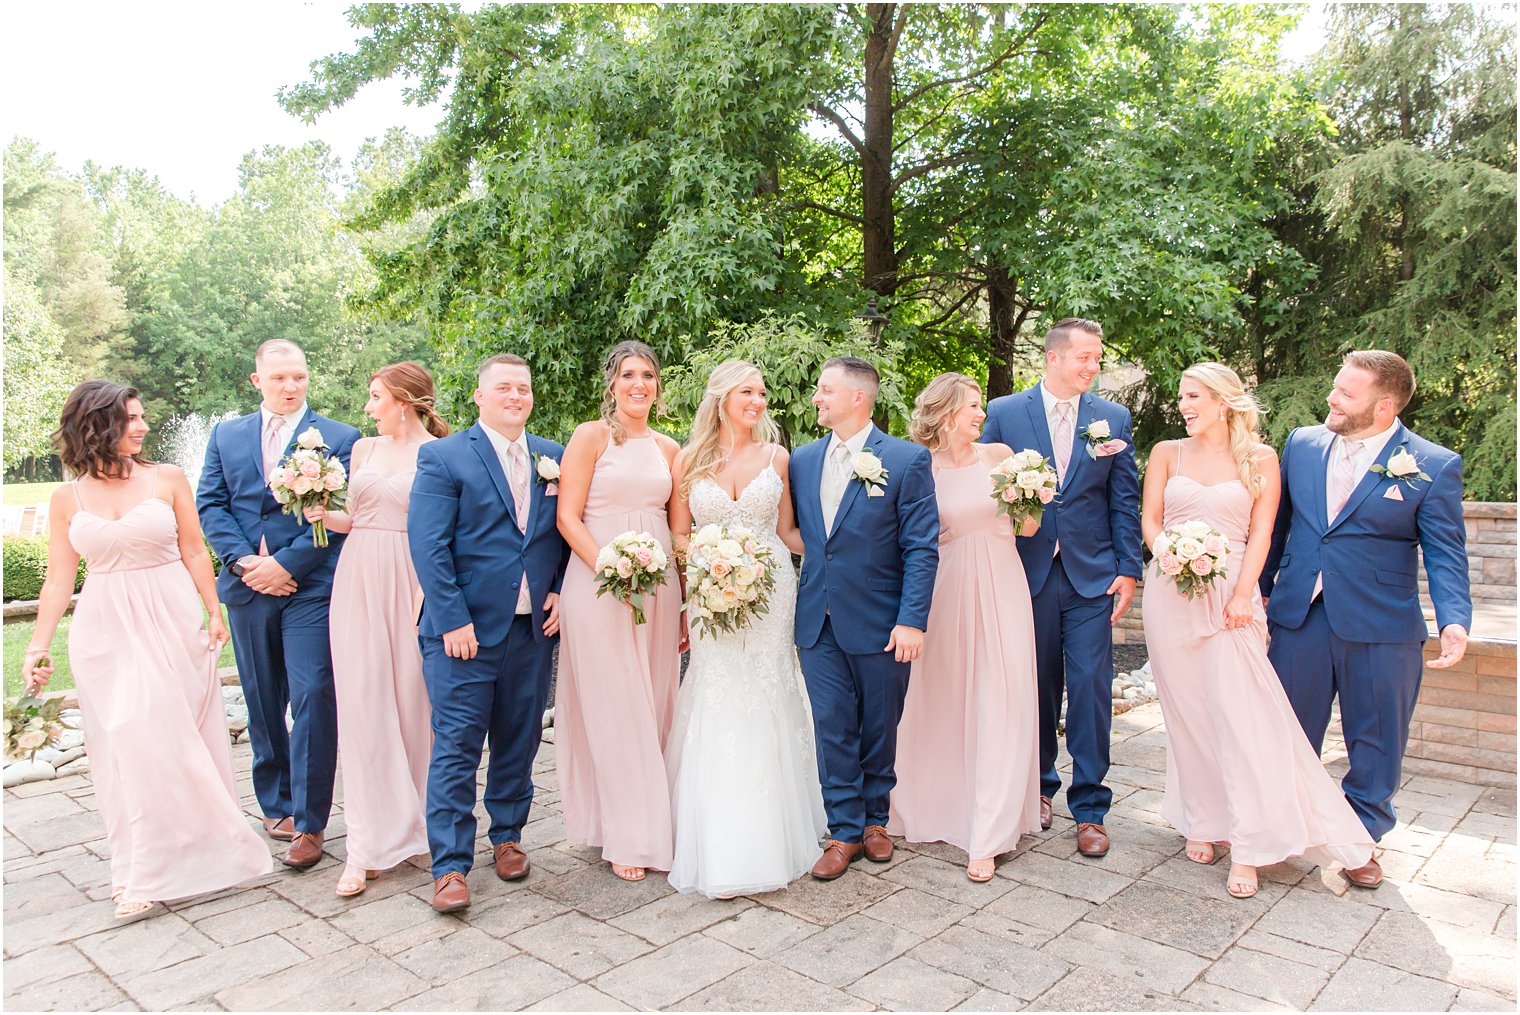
x=852 y=486
x=536 y=488
x=809 y=474
x=488 y=457
x=1370 y=479
x=296 y=431
x=1034 y=404
x=1086 y=413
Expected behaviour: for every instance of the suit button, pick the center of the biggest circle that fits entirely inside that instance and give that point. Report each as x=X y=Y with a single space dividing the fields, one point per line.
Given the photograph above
x=828 y=556
x=1324 y=539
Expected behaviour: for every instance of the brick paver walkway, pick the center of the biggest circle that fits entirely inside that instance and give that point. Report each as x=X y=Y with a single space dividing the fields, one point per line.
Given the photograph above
x=1141 y=929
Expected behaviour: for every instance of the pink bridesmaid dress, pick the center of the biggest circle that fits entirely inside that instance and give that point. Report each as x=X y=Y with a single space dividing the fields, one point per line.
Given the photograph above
x=1238 y=766
x=384 y=731
x=616 y=697
x=968 y=744
x=153 y=719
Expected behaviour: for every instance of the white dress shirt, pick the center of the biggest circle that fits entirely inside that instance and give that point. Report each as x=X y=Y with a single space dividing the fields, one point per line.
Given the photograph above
x=503 y=446
x=1361 y=461
x=288 y=425
x=836 y=476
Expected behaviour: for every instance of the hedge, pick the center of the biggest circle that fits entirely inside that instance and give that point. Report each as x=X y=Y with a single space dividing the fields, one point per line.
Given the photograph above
x=25 y=566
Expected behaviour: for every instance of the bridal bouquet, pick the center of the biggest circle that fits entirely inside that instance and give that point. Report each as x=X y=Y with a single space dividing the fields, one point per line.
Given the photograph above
x=32 y=724
x=728 y=578
x=1022 y=484
x=1192 y=555
x=630 y=567
x=310 y=478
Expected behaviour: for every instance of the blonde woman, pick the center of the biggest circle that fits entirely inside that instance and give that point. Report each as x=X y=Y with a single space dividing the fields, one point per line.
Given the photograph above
x=968 y=744
x=745 y=797
x=1240 y=772
x=617 y=679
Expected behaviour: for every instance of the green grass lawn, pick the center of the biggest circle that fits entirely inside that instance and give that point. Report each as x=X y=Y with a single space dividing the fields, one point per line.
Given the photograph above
x=21 y=494
x=19 y=635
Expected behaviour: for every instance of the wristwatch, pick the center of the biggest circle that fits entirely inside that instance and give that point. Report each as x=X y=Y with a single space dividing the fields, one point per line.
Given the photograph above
x=237 y=569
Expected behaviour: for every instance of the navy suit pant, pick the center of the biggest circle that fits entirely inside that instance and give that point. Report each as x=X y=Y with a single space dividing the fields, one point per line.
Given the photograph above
x=1377 y=685
x=498 y=696
x=857 y=702
x=284 y=658
x=1074 y=655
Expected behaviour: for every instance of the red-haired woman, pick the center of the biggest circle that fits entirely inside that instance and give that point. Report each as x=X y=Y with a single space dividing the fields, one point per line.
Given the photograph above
x=383 y=711
x=144 y=665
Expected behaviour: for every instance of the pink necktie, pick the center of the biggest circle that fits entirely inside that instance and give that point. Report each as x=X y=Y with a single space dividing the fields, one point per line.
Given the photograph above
x=1343 y=475
x=272 y=445
x=517 y=476
x=1062 y=439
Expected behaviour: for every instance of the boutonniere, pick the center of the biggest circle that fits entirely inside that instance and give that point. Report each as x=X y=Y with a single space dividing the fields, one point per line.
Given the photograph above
x=548 y=473
x=1402 y=467
x=1100 y=442
x=870 y=471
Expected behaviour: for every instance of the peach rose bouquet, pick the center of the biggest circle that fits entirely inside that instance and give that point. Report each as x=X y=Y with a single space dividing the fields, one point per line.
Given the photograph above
x=1022 y=484
x=630 y=568
x=728 y=578
x=310 y=477
x=1191 y=555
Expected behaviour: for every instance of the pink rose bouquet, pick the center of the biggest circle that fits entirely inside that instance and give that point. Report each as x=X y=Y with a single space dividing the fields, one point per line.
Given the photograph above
x=1192 y=555
x=1022 y=484
x=310 y=477
x=630 y=568
x=729 y=577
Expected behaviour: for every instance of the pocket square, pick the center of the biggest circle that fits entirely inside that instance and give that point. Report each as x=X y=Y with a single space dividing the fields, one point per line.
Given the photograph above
x=874 y=491
x=1392 y=493
x=1107 y=448
x=551 y=489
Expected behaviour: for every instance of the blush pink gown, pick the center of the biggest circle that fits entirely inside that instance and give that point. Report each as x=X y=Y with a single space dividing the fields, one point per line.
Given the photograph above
x=384 y=732
x=968 y=743
x=616 y=697
x=153 y=720
x=1238 y=766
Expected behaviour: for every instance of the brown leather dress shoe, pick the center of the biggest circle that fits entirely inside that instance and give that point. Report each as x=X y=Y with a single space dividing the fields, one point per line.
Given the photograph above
x=511 y=862
x=283 y=829
x=1369 y=876
x=836 y=859
x=450 y=893
x=878 y=845
x=1092 y=840
x=1044 y=813
x=305 y=850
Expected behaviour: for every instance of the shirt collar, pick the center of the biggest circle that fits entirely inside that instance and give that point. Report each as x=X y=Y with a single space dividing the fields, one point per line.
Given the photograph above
x=855 y=444
x=503 y=444
x=1051 y=401
x=1373 y=446
x=291 y=420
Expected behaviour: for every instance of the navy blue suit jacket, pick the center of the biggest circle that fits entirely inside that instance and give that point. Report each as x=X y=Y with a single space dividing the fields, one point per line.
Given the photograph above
x=1367 y=553
x=237 y=508
x=1096 y=513
x=876 y=570
x=466 y=547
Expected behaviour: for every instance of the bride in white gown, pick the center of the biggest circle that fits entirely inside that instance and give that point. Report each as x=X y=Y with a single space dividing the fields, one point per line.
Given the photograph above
x=744 y=789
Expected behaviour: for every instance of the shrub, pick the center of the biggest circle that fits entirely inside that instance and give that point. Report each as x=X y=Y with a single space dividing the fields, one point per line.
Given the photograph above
x=25 y=566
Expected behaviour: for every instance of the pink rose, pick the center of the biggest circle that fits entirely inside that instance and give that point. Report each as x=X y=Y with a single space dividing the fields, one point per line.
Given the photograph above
x=720 y=569
x=333 y=480
x=287 y=476
x=624 y=568
x=645 y=558
x=1010 y=494
x=1046 y=494
x=311 y=470
x=1202 y=565
x=759 y=568
x=1169 y=564
x=1215 y=546
x=751 y=547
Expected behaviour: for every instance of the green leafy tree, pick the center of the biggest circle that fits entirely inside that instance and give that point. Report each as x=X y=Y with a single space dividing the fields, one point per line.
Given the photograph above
x=37 y=377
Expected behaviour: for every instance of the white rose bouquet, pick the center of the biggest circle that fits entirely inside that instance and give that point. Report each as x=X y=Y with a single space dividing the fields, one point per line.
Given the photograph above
x=1022 y=484
x=310 y=478
x=1191 y=555
x=630 y=567
x=32 y=724
x=728 y=578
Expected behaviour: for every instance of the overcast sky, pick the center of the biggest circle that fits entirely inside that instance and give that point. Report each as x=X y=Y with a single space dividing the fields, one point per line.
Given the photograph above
x=184 y=90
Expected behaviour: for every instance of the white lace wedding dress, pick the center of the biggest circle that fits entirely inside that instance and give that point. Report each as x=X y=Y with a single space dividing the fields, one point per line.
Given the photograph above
x=744 y=789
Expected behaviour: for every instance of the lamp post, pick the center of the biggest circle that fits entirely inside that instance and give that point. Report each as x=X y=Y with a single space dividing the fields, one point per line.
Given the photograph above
x=876 y=321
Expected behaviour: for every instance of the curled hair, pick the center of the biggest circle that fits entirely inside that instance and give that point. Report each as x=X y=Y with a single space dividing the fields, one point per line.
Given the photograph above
x=410 y=384
x=1391 y=374
x=90 y=430
x=703 y=454
x=941 y=399
x=1242 y=415
x=623 y=351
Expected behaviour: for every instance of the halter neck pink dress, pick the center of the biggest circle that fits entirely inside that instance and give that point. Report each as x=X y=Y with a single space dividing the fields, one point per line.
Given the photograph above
x=1238 y=766
x=153 y=719
x=968 y=743
x=616 y=697
x=384 y=733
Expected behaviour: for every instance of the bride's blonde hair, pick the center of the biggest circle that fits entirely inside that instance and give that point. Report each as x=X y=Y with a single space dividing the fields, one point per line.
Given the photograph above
x=1242 y=416
x=703 y=454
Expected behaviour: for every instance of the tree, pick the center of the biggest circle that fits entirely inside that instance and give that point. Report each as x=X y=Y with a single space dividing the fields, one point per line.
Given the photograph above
x=37 y=379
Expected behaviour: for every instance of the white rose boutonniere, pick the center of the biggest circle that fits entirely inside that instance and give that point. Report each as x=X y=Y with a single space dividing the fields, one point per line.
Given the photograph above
x=311 y=440
x=548 y=473
x=1100 y=442
x=1402 y=467
x=870 y=471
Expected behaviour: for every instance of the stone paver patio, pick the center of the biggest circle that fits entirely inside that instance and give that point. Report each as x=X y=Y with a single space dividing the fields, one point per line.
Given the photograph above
x=1141 y=929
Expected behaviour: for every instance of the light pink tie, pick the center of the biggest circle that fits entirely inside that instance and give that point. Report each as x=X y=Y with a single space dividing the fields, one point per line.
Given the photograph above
x=517 y=476
x=272 y=445
x=1062 y=439
x=1343 y=475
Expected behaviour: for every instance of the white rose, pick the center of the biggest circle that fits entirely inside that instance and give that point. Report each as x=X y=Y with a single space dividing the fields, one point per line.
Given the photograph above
x=1098 y=430
x=868 y=467
x=744 y=574
x=730 y=549
x=311 y=438
x=1403 y=464
x=548 y=468
x=1188 y=548
x=1196 y=530
x=1029 y=479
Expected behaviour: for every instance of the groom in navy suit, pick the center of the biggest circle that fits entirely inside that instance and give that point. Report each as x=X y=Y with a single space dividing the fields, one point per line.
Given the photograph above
x=870 y=528
x=1360 y=495
x=276 y=586
x=490 y=559
x=1082 y=564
